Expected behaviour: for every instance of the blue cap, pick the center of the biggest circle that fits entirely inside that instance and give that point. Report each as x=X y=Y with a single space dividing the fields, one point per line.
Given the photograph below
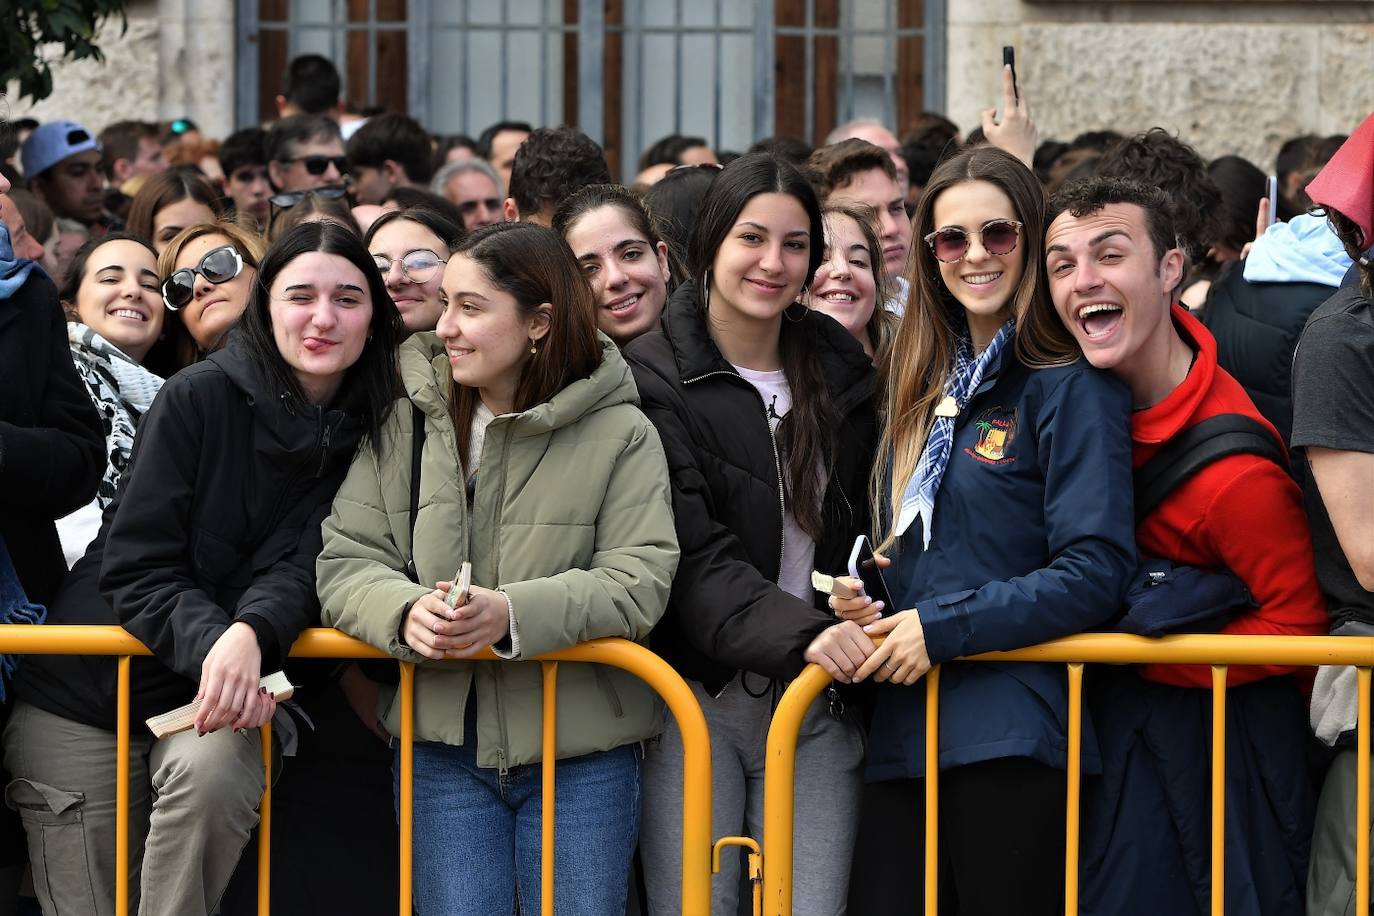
x=50 y=143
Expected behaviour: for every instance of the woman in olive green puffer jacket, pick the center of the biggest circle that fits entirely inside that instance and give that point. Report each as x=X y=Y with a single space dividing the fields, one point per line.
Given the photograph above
x=562 y=505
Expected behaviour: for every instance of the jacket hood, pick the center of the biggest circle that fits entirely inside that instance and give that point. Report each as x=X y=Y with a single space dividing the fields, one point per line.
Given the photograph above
x=1302 y=250
x=1164 y=420
x=848 y=369
x=425 y=375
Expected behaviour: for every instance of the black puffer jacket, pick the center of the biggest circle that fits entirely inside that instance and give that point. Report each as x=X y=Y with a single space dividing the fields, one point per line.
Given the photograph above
x=1257 y=326
x=218 y=521
x=726 y=612
x=52 y=450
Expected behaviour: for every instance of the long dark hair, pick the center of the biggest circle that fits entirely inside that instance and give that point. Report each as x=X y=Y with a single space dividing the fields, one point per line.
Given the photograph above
x=71 y=287
x=371 y=384
x=596 y=196
x=533 y=265
x=807 y=434
x=170 y=187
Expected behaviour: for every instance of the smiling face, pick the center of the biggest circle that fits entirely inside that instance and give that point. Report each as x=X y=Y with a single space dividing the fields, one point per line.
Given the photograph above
x=119 y=297
x=843 y=286
x=213 y=309
x=872 y=188
x=628 y=273
x=321 y=311
x=175 y=217
x=1109 y=286
x=484 y=333
x=762 y=264
x=417 y=300
x=983 y=283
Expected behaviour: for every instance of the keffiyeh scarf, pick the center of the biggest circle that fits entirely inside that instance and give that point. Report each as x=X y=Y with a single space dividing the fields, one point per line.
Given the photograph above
x=13 y=270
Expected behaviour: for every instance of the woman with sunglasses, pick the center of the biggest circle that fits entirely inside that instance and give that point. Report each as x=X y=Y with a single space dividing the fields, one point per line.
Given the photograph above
x=114 y=316
x=207 y=273
x=766 y=410
x=1003 y=492
x=513 y=389
x=411 y=248
x=170 y=202
x=621 y=255
x=207 y=555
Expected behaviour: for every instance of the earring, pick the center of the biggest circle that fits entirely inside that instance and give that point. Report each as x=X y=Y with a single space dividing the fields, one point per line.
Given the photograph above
x=533 y=348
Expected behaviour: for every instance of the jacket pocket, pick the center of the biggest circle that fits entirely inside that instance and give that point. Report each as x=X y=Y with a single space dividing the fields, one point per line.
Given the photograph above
x=56 y=831
x=216 y=560
x=603 y=680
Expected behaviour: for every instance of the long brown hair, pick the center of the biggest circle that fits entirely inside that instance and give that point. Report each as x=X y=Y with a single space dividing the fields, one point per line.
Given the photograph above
x=882 y=324
x=533 y=265
x=922 y=354
x=161 y=191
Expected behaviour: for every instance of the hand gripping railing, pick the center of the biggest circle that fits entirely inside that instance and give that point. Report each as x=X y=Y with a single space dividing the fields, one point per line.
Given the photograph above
x=326 y=643
x=1074 y=651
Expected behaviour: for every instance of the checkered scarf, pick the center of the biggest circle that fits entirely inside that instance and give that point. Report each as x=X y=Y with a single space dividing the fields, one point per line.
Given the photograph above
x=963 y=381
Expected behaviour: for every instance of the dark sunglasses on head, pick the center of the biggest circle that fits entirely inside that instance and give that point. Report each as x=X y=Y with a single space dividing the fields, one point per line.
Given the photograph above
x=998 y=236
x=419 y=265
x=288 y=199
x=318 y=165
x=220 y=265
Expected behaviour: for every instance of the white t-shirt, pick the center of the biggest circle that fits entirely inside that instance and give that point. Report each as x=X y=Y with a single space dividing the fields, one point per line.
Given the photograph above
x=798 y=550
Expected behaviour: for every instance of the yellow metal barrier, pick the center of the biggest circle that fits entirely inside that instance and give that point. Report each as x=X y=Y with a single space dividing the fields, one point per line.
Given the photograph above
x=326 y=643
x=1217 y=651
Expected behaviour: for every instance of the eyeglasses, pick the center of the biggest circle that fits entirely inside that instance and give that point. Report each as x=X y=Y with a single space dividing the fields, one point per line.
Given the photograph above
x=318 y=165
x=418 y=265
x=220 y=265
x=288 y=199
x=998 y=236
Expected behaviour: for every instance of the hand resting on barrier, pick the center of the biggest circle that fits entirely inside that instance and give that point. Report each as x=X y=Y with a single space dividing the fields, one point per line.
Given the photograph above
x=902 y=656
x=437 y=631
x=229 y=678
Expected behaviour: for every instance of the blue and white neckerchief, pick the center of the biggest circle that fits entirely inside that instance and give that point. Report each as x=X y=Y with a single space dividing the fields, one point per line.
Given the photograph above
x=13 y=271
x=967 y=374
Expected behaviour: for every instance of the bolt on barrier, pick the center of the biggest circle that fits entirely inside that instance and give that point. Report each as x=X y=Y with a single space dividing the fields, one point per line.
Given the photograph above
x=25 y=639
x=1217 y=651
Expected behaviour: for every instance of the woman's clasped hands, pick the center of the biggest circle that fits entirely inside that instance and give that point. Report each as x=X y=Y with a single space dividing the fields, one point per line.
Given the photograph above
x=438 y=631
x=848 y=652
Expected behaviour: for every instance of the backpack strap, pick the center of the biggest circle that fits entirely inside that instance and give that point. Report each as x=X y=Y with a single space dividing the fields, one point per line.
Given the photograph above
x=417 y=448
x=1194 y=449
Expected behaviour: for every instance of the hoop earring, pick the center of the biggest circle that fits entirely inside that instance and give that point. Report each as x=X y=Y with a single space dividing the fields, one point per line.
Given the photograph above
x=800 y=318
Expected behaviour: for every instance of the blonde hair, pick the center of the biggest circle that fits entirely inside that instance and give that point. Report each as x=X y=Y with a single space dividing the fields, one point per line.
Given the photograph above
x=920 y=359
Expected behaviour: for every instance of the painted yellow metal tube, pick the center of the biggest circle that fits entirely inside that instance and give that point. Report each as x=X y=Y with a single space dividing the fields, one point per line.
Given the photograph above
x=121 y=785
x=1362 y=797
x=932 y=821
x=1218 y=790
x=405 y=807
x=1196 y=649
x=1075 y=780
x=265 y=826
x=548 y=764
x=779 y=773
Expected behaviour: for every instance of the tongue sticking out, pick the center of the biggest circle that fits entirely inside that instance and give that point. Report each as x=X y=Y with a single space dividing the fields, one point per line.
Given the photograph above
x=1099 y=323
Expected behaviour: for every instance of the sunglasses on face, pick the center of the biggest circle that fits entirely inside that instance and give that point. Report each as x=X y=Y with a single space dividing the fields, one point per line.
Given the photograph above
x=418 y=265
x=318 y=165
x=288 y=199
x=469 y=207
x=220 y=265
x=998 y=237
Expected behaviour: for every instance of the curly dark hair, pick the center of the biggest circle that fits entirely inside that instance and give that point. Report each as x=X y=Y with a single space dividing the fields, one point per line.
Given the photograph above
x=1089 y=195
x=1161 y=160
x=552 y=163
x=668 y=150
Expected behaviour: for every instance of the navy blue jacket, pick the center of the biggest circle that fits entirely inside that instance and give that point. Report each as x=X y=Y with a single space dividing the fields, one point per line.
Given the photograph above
x=1034 y=538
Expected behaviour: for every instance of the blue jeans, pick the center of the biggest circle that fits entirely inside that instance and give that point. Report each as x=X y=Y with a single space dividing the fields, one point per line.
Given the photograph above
x=477 y=834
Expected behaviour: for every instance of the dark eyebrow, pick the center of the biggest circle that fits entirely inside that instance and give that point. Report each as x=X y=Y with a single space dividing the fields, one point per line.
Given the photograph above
x=592 y=255
x=119 y=267
x=149 y=273
x=466 y=294
x=1092 y=242
x=356 y=289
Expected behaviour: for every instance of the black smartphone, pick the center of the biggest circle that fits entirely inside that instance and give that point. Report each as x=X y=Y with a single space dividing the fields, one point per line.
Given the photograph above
x=1009 y=60
x=864 y=567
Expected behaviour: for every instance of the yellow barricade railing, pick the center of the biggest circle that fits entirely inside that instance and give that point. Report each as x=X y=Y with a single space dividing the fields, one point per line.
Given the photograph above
x=326 y=643
x=1108 y=648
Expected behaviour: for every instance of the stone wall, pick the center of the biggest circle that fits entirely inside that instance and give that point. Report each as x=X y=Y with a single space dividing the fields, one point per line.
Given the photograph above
x=1228 y=77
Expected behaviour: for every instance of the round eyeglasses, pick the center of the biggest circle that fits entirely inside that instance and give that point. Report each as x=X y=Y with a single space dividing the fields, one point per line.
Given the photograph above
x=418 y=265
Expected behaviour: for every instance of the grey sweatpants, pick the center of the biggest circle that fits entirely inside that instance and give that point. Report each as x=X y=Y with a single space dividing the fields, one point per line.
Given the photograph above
x=1331 y=873
x=192 y=804
x=829 y=781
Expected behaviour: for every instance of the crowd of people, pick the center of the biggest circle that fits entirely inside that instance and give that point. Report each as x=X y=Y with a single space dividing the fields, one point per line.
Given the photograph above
x=301 y=376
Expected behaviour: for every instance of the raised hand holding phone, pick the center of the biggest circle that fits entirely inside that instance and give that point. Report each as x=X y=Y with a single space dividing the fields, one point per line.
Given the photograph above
x=1016 y=133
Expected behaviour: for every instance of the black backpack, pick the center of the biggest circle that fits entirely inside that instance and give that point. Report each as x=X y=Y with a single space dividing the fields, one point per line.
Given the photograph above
x=1197 y=447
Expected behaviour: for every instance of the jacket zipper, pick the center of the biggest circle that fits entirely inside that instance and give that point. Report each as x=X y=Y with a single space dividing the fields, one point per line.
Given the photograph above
x=777 y=462
x=503 y=767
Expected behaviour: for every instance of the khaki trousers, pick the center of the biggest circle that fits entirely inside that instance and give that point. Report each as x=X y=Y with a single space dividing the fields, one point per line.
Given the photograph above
x=192 y=804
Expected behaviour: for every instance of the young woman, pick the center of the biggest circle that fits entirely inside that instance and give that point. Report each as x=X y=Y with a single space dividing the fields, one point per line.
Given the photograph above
x=852 y=281
x=292 y=208
x=114 y=316
x=207 y=275
x=766 y=410
x=513 y=389
x=622 y=257
x=207 y=556
x=170 y=202
x=1003 y=490
x=411 y=248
